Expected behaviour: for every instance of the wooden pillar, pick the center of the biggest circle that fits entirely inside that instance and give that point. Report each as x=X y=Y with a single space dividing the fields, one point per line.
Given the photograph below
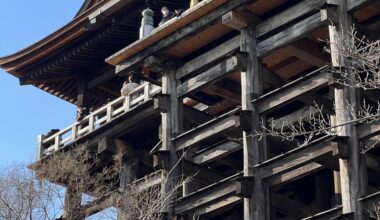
x=352 y=169
x=172 y=122
x=83 y=102
x=72 y=204
x=254 y=150
x=127 y=174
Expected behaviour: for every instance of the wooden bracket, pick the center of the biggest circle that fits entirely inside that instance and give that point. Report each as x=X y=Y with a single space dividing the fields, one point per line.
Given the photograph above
x=238 y=20
x=242 y=59
x=341 y=150
x=330 y=16
x=245 y=120
x=161 y=102
x=161 y=159
x=244 y=186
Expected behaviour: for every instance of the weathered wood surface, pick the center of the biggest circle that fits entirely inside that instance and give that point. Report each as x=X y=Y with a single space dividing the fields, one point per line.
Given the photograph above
x=289 y=15
x=210 y=194
x=290 y=34
x=202 y=62
x=292 y=91
x=353 y=171
x=254 y=151
x=201 y=173
x=368 y=130
x=206 y=130
x=181 y=34
x=296 y=158
x=353 y=5
x=214 y=73
x=216 y=152
x=288 y=206
x=333 y=213
x=294 y=174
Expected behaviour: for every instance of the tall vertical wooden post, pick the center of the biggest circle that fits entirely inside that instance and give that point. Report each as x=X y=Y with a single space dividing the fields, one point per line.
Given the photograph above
x=253 y=149
x=72 y=203
x=128 y=174
x=83 y=96
x=352 y=169
x=172 y=122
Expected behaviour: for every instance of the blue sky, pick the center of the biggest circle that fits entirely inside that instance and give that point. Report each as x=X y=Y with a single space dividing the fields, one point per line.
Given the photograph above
x=26 y=111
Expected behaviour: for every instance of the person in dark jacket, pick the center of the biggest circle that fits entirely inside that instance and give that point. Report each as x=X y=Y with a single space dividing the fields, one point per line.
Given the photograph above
x=166 y=15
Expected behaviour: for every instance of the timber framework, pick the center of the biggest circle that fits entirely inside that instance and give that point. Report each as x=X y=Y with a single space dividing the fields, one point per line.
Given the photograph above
x=208 y=81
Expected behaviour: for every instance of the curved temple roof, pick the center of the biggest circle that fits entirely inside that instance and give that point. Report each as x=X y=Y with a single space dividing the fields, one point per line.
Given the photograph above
x=71 y=31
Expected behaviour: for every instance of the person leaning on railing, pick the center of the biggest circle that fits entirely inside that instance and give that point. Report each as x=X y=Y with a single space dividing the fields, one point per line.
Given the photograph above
x=128 y=86
x=166 y=15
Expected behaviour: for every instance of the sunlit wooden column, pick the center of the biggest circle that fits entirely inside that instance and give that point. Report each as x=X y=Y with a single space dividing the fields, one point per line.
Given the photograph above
x=352 y=169
x=172 y=125
x=255 y=207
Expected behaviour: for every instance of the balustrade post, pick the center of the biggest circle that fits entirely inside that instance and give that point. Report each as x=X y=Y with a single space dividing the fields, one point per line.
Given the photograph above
x=56 y=142
x=74 y=132
x=91 y=123
x=146 y=92
x=127 y=103
x=109 y=113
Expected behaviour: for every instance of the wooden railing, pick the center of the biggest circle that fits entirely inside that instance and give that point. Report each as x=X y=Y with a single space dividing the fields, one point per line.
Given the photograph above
x=95 y=120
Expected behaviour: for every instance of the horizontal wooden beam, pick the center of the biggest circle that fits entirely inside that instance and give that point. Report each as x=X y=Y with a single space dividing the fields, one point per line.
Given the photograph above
x=370 y=200
x=291 y=14
x=29 y=81
x=353 y=5
x=223 y=204
x=308 y=52
x=202 y=62
x=238 y=20
x=203 y=174
x=333 y=213
x=290 y=34
x=294 y=117
x=289 y=207
x=293 y=90
x=216 y=152
x=230 y=65
x=296 y=158
x=368 y=130
x=211 y=194
x=193 y=28
x=206 y=130
x=99 y=80
x=295 y=174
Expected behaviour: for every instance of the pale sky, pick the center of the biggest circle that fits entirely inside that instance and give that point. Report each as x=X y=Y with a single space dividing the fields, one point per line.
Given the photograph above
x=26 y=111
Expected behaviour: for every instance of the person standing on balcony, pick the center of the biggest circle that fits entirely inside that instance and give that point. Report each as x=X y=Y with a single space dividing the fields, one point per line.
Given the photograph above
x=166 y=15
x=128 y=86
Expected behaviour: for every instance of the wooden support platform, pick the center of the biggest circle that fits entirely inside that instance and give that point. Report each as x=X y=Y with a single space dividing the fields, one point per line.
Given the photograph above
x=206 y=130
x=293 y=90
x=208 y=199
x=216 y=152
x=299 y=157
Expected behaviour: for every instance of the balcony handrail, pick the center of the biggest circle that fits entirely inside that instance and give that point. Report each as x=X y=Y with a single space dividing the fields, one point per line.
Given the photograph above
x=96 y=119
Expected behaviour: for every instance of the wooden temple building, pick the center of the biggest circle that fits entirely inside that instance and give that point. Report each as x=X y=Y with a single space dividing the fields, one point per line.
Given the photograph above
x=208 y=77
